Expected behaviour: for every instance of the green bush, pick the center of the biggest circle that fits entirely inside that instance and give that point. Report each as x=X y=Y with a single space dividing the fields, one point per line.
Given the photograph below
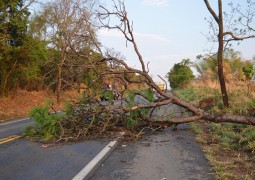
x=180 y=74
x=46 y=125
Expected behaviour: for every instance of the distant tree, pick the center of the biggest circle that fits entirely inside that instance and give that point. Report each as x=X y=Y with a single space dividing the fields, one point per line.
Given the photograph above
x=224 y=37
x=180 y=74
x=248 y=71
x=206 y=66
x=37 y=56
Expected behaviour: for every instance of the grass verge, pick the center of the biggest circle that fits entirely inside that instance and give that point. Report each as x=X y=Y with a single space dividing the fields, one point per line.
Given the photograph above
x=230 y=148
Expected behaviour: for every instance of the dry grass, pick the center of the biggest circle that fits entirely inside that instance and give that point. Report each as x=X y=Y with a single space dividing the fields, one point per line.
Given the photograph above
x=19 y=105
x=232 y=86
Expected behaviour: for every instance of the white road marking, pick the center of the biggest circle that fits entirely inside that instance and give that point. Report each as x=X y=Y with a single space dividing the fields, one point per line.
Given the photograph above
x=85 y=172
x=11 y=122
x=91 y=165
x=23 y=119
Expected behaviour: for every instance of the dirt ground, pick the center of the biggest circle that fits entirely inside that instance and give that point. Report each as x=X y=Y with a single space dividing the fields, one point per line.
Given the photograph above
x=18 y=106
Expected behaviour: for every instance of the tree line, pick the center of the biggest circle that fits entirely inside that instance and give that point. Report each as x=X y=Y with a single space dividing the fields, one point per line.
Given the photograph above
x=236 y=69
x=47 y=49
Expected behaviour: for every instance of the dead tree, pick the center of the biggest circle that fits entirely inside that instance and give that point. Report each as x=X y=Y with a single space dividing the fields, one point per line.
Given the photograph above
x=224 y=37
x=125 y=26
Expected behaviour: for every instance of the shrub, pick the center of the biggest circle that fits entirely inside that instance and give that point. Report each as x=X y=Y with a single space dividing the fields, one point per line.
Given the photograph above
x=180 y=74
x=46 y=125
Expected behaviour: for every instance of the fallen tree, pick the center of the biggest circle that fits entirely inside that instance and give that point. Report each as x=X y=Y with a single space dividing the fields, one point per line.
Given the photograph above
x=126 y=28
x=92 y=118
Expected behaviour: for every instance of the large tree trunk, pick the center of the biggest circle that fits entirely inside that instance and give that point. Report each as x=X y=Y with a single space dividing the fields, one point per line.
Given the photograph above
x=220 y=57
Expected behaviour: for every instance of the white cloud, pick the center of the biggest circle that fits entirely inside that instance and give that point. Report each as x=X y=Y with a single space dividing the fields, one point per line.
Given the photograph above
x=110 y=33
x=156 y=2
x=143 y=36
x=151 y=37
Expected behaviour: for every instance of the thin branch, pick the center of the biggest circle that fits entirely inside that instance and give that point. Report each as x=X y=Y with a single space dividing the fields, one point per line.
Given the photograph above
x=211 y=11
x=236 y=38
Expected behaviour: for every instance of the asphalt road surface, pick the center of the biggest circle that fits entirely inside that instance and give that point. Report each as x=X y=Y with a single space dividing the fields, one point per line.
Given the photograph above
x=14 y=127
x=167 y=155
x=21 y=159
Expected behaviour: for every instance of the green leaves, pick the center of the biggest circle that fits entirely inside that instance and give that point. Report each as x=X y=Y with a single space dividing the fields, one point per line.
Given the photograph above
x=107 y=95
x=46 y=124
x=13 y=20
x=135 y=116
x=180 y=74
x=248 y=71
x=149 y=94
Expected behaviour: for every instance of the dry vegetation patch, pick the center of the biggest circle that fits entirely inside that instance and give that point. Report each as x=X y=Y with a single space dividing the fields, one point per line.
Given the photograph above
x=17 y=106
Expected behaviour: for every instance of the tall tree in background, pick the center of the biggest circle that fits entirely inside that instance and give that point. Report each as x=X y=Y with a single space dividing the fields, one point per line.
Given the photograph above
x=70 y=32
x=13 y=27
x=223 y=38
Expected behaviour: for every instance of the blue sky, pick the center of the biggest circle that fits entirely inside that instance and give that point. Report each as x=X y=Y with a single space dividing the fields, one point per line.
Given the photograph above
x=166 y=32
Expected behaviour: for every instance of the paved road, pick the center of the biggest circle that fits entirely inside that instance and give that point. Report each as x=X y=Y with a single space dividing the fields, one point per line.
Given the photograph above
x=22 y=159
x=14 y=127
x=173 y=155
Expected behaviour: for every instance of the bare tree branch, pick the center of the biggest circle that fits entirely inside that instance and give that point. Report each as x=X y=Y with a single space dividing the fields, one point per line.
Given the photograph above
x=211 y=11
x=236 y=38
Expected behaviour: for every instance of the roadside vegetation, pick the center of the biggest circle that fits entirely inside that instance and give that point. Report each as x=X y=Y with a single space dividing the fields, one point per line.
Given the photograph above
x=229 y=147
